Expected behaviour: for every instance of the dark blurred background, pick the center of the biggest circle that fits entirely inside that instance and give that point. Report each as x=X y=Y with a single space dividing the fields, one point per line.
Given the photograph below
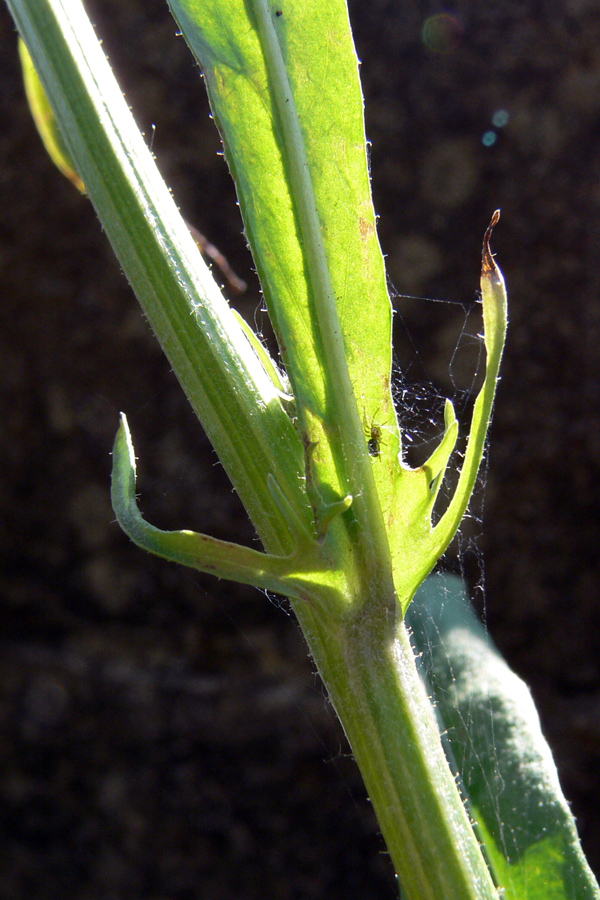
x=163 y=735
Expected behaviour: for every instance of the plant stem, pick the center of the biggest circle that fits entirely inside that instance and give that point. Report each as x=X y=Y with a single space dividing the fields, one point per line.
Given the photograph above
x=362 y=652
x=226 y=383
x=370 y=672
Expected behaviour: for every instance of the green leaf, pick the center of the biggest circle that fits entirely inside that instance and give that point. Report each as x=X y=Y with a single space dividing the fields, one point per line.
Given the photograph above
x=284 y=89
x=416 y=543
x=506 y=767
x=294 y=575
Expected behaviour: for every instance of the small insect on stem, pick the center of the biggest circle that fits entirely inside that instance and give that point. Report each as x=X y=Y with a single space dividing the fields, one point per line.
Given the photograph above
x=375 y=441
x=373 y=433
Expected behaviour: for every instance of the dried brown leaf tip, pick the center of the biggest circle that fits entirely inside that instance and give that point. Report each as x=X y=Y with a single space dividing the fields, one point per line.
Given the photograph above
x=487 y=260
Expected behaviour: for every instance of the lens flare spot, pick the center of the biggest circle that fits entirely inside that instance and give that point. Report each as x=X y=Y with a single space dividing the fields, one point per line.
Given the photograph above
x=489 y=138
x=442 y=32
x=500 y=118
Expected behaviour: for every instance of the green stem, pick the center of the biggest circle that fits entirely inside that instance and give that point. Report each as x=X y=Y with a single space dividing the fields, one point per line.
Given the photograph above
x=370 y=672
x=228 y=387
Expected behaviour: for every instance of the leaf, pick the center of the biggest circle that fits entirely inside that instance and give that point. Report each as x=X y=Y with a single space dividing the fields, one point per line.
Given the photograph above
x=506 y=766
x=417 y=543
x=284 y=90
x=294 y=575
x=45 y=120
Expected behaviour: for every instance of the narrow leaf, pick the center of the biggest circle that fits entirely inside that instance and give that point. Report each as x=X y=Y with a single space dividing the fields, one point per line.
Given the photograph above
x=416 y=541
x=199 y=551
x=495 y=320
x=284 y=89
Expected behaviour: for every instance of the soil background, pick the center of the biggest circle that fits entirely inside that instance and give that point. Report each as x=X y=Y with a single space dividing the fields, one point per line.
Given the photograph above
x=163 y=735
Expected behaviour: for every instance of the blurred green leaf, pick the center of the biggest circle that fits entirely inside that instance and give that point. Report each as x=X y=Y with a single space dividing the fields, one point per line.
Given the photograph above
x=495 y=739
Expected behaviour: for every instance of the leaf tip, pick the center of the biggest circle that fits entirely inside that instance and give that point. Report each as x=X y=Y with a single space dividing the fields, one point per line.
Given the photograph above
x=488 y=265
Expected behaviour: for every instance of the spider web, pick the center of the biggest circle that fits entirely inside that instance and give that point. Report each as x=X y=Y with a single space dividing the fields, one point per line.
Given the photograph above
x=439 y=355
